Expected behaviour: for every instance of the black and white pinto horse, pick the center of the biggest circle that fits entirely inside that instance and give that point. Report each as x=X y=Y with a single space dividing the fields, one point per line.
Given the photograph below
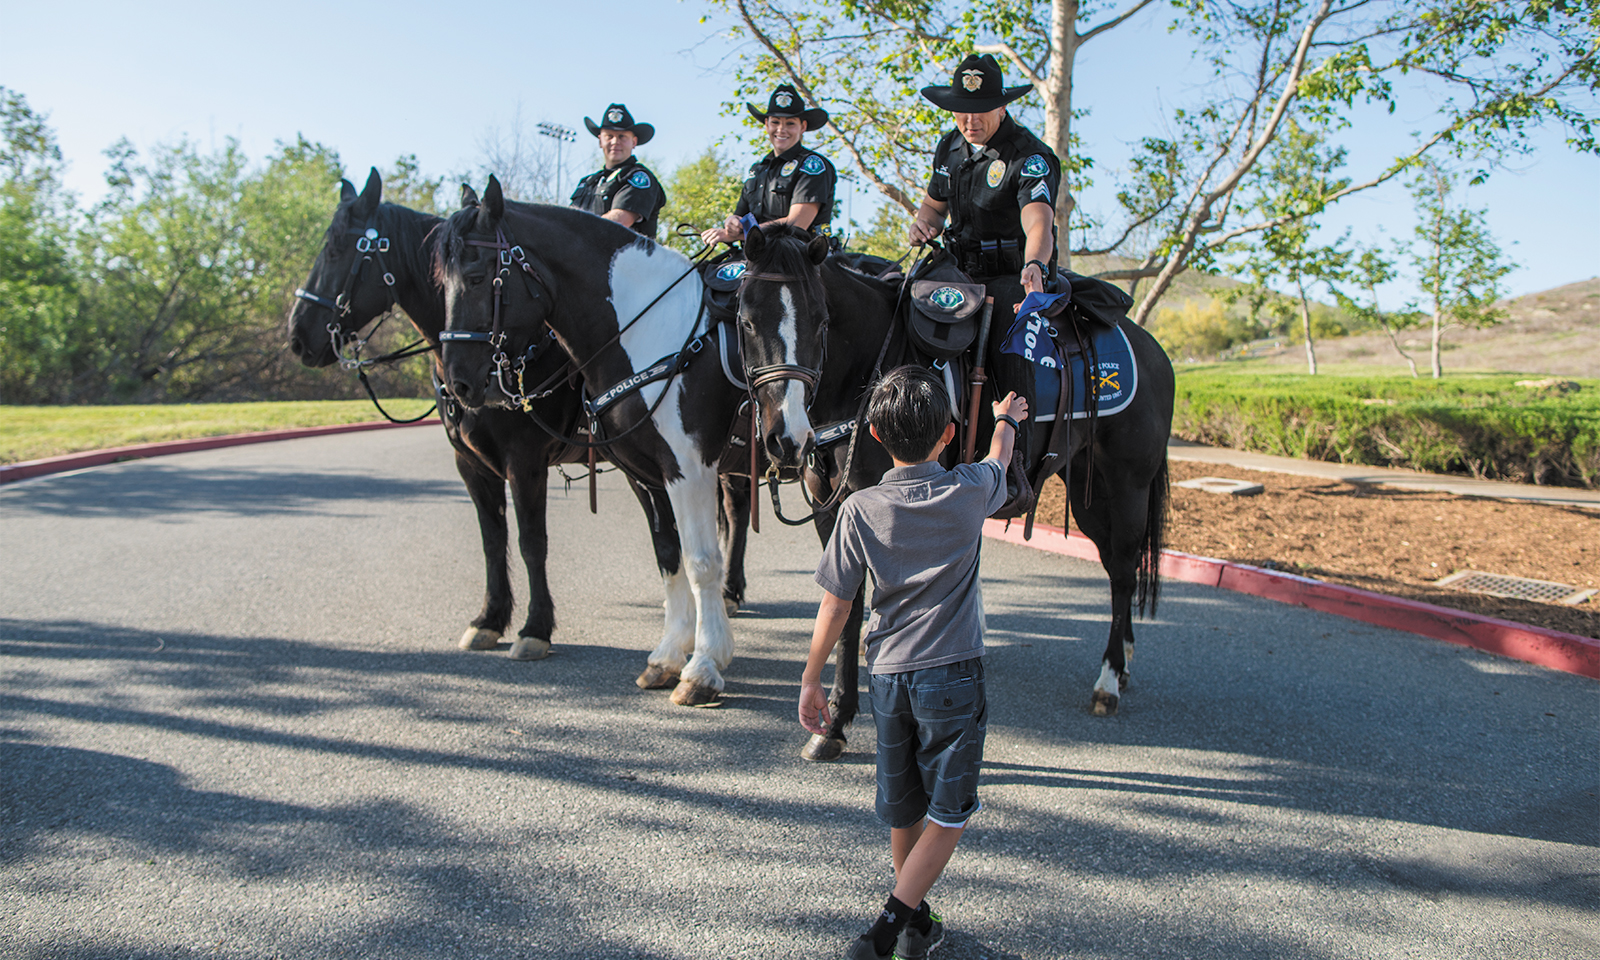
x=1121 y=506
x=379 y=255
x=629 y=314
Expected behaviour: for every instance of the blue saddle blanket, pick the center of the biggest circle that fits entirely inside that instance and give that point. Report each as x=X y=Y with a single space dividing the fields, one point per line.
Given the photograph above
x=1116 y=380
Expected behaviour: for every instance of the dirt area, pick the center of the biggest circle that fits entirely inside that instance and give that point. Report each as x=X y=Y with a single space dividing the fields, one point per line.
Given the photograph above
x=1386 y=540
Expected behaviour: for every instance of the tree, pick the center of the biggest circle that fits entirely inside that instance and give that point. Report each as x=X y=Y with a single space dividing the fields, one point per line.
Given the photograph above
x=1369 y=270
x=700 y=193
x=1291 y=187
x=39 y=334
x=1494 y=69
x=1459 y=266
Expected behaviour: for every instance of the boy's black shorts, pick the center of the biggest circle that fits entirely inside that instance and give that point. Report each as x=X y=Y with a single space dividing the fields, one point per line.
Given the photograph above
x=931 y=725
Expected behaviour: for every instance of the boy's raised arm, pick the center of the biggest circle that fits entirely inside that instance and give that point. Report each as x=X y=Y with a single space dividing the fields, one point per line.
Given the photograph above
x=831 y=616
x=1005 y=434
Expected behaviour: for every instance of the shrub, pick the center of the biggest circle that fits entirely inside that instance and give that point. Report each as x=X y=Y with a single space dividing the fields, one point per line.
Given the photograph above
x=1484 y=426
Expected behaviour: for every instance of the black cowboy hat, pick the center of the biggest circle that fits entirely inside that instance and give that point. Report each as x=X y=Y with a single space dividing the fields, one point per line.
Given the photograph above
x=617 y=117
x=977 y=86
x=786 y=102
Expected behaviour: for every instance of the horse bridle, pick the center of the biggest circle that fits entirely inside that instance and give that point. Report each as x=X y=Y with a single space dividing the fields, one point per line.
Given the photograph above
x=372 y=246
x=507 y=254
x=758 y=377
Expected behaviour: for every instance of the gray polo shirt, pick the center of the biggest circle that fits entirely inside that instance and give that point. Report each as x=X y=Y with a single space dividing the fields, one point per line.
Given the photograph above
x=918 y=532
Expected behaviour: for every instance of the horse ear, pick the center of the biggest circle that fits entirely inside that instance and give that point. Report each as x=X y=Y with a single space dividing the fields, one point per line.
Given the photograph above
x=347 y=191
x=469 y=197
x=817 y=249
x=367 y=203
x=494 y=205
x=754 y=243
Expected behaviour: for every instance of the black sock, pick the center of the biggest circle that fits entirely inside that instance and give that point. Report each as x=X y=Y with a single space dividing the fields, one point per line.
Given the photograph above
x=922 y=919
x=889 y=924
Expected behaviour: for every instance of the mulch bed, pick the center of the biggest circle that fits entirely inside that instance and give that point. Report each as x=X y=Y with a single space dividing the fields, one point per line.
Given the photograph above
x=1387 y=540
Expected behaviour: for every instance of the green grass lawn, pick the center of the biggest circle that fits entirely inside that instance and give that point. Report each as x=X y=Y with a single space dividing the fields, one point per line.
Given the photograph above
x=28 y=433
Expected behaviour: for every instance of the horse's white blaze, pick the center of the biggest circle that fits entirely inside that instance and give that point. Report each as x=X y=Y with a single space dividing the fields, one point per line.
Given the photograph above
x=796 y=419
x=677 y=639
x=1108 y=680
x=639 y=272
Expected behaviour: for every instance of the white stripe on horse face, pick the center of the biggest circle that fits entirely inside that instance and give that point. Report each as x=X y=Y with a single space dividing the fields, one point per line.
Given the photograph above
x=796 y=419
x=639 y=272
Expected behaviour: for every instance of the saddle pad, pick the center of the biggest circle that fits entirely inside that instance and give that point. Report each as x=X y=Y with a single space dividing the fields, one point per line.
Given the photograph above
x=1117 y=380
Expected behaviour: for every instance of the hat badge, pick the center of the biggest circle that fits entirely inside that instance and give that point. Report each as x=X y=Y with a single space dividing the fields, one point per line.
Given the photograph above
x=614 y=116
x=972 y=80
x=783 y=99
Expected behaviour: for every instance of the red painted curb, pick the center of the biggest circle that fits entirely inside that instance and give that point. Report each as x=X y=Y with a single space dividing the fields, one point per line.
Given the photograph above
x=1546 y=648
x=77 y=461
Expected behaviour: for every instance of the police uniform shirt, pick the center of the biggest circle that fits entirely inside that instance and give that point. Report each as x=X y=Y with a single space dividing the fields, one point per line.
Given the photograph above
x=795 y=176
x=630 y=186
x=987 y=188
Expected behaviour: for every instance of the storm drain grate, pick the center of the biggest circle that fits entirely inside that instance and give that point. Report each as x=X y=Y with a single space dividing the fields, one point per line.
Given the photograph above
x=1516 y=588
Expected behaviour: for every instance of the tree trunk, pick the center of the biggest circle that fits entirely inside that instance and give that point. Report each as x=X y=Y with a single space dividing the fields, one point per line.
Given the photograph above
x=1394 y=341
x=1438 y=331
x=1305 y=324
x=1058 y=111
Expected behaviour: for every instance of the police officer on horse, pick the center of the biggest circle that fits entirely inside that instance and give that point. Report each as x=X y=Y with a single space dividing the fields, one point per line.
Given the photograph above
x=997 y=183
x=624 y=190
x=791 y=184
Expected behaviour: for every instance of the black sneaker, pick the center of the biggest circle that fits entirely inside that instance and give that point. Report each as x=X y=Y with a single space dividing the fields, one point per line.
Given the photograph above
x=914 y=945
x=863 y=949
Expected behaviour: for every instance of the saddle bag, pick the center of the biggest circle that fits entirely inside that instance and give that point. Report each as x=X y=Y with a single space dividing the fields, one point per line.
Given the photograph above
x=722 y=282
x=945 y=309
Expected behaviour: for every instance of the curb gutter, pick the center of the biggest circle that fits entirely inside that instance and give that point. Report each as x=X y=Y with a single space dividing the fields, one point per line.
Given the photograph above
x=27 y=469
x=1546 y=648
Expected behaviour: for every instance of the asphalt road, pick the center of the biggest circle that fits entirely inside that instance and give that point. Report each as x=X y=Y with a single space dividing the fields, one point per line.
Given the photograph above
x=233 y=722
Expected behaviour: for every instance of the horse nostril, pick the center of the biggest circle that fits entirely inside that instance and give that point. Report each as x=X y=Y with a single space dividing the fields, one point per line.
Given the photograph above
x=297 y=346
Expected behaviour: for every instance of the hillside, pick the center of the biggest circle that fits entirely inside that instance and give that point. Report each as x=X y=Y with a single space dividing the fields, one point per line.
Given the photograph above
x=1552 y=333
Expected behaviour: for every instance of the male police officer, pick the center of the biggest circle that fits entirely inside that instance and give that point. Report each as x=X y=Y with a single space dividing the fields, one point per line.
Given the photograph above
x=623 y=190
x=998 y=184
x=791 y=184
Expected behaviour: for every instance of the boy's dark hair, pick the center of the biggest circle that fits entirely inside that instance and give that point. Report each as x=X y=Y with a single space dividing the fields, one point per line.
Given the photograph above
x=910 y=407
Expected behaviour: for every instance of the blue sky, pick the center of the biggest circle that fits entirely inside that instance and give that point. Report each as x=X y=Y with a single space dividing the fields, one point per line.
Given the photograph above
x=378 y=80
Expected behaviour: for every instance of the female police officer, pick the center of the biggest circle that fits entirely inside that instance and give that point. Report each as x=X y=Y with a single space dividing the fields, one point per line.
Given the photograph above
x=998 y=184
x=791 y=184
x=624 y=189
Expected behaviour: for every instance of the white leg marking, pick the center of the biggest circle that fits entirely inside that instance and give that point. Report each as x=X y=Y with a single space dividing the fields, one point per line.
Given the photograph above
x=694 y=501
x=1108 y=682
x=677 y=639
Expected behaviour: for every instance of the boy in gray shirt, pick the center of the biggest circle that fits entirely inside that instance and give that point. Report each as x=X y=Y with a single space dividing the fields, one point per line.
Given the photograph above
x=918 y=533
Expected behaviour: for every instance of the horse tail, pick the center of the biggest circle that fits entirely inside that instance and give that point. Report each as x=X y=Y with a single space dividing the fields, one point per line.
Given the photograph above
x=1155 y=532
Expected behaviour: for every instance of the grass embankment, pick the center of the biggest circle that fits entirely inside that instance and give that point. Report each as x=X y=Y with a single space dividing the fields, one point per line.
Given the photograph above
x=29 y=433
x=1481 y=425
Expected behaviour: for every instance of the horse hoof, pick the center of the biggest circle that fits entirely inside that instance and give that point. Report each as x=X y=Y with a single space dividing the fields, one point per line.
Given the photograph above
x=732 y=606
x=530 y=648
x=820 y=749
x=691 y=694
x=656 y=678
x=477 y=638
x=1105 y=704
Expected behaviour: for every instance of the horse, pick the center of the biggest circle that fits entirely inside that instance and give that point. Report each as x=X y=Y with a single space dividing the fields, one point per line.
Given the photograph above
x=378 y=255
x=1120 y=504
x=628 y=312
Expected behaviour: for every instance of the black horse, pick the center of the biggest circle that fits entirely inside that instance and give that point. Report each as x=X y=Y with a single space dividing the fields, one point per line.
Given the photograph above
x=378 y=255
x=629 y=314
x=1121 y=505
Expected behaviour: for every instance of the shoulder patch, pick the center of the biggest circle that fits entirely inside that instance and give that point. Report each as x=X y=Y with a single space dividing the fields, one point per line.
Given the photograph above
x=813 y=165
x=1035 y=166
x=639 y=179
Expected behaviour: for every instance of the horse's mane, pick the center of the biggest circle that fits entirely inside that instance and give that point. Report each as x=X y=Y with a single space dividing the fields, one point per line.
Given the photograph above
x=784 y=253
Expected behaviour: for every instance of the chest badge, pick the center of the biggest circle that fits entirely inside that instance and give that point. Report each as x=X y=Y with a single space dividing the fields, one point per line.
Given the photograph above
x=788 y=168
x=947 y=298
x=997 y=172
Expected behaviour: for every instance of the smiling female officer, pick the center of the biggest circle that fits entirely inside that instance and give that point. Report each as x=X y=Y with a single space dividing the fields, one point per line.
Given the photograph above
x=791 y=184
x=624 y=189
